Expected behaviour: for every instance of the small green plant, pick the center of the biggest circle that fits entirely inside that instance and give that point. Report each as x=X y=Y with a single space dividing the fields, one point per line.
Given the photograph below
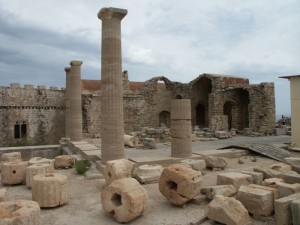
x=81 y=166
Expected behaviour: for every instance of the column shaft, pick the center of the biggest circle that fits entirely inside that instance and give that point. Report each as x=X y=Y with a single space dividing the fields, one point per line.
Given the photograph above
x=112 y=122
x=67 y=104
x=75 y=101
x=181 y=128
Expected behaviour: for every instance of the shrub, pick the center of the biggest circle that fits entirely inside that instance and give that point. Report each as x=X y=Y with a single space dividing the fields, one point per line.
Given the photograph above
x=81 y=166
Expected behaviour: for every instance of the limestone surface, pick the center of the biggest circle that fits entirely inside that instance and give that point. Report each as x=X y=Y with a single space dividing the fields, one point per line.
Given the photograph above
x=179 y=183
x=19 y=212
x=195 y=164
x=2 y=194
x=295 y=208
x=64 y=161
x=228 y=210
x=131 y=141
x=256 y=201
x=256 y=176
x=117 y=169
x=148 y=173
x=11 y=157
x=294 y=162
x=225 y=190
x=50 y=189
x=234 y=178
x=13 y=172
x=216 y=162
x=33 y=170
x=125 y=199
x=40 y=160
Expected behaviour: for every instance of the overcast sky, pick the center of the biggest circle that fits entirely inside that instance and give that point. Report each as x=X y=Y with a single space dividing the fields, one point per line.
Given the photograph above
x=254 y=39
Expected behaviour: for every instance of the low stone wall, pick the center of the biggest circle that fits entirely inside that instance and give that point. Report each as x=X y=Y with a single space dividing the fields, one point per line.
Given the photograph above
x=27 y=152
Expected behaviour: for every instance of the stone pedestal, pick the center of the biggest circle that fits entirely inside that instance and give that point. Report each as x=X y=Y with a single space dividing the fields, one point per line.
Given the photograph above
x=112 y=122
x=49 y=190
x=40 y=160
x=181 y=128
x=20 y=212
x=13 y=172
x=125 y=199
x=117 y=169
x=67 y=104
x=33 y=170
x=75 y=101
x=179 y=183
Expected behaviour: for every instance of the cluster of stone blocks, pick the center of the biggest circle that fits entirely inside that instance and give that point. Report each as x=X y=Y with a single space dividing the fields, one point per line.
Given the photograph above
x=49 y=189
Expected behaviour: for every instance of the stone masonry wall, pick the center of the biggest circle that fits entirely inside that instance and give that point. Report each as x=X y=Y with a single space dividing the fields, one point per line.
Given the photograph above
x=40 y=109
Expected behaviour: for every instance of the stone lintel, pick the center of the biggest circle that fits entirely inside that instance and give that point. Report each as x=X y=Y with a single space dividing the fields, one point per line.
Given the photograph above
x=75 y=63
x=108 y=13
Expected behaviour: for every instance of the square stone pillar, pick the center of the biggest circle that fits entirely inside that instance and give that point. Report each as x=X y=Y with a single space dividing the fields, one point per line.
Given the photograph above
x=112 y=122
x=75 y=101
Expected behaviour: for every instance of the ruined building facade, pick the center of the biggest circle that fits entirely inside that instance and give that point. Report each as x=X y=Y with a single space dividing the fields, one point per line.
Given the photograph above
x=31 y=115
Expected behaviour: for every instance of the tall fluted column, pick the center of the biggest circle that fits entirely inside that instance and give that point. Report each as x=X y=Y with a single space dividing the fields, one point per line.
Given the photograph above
x=181 y=128
x=75 y=101
x=112 y=122
x=67 y=103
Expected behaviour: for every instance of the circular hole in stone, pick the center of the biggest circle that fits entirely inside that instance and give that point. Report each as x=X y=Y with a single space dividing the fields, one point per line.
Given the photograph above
x=276 y=167
x=116 y=200
x=14 y=171
x=172 y=185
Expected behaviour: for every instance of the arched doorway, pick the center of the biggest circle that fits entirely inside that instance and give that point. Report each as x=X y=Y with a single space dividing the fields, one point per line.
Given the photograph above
x=165 y=118
x=200 y=115
x=227 y=110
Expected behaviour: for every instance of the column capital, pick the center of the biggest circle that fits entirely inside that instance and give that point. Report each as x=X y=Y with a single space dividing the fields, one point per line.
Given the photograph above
x=67 y=69
x=108 y=13
x=75 y=63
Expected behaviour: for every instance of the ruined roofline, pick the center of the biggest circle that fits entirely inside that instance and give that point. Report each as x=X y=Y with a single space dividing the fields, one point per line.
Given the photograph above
x=216 y=75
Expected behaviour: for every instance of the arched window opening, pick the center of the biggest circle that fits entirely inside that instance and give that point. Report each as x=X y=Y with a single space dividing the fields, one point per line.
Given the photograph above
x=178 y=97
x=20 y=131
x=165 y=119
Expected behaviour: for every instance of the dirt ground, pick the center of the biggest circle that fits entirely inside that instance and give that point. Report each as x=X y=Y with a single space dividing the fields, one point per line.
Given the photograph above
x=84 y=205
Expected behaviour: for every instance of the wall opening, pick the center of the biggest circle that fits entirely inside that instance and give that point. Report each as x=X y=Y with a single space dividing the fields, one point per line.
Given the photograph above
x=178 y=97
x=165 y=118
x=20 y=131
x=227 y=110
x=200 y=115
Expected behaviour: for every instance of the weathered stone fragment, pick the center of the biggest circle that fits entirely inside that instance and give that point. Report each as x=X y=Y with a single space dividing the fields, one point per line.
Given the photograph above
x=33 y=170
x=40 y=160
x=148 y=173
x=281 y=167
x=228 y=210
x=272 y=182
x=11 y=157
x=295 y=209
x=267 y=172
x=195 y=164
x=13 y=172
x=256 y=201
x=149 y=143
x=212 y=191
x=274 y=190
x=234 y=178
x=117 y=169
x=2 y=194
x=285 y=189
x=216 y=162
x=64 y=161
x=256 y=176
x=50 y=189
x=221 y=134
x=283 y=212
x=125 y=199
x=291 y=177
x=294 y=162
x=19 y=212
x=131 y=141
x=179 y=183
